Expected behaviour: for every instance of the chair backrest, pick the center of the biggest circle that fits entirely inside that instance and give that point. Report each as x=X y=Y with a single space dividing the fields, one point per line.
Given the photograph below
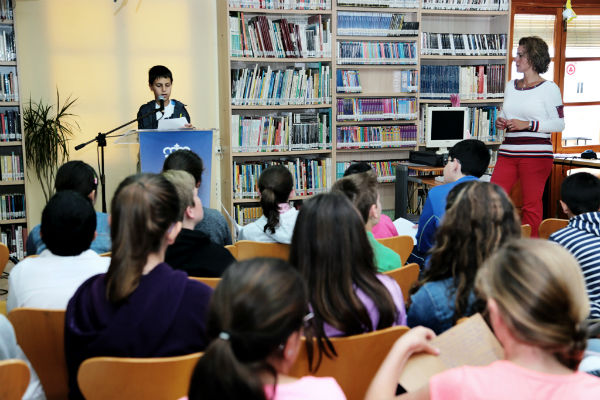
x=14 y=375
x=406 y=276
x=526 y=230
x=551 y=225
x=40 y=333
x=402 y=245
x=212 y=282
x=358 y=359
x=3 y=257
x=232 y=249
x=107 y=254
x=136 y=378
x=248 y=249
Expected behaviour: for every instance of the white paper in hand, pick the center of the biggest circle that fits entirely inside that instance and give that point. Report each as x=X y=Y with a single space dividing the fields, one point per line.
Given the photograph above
x=172 y=123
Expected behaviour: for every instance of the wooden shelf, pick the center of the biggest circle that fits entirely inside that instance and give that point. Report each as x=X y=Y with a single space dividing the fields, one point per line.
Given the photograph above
x=380 y=38
x=13 y=221
x=8 y=63
x=435 y=57
x=281 y=107
x=463 y=13
x=257 y=200
x=281 y=153
x=7 y=22
x=279 y=60
x=378 y=9
x=383 y=94
x=9 y=103
x=12 y=183
x=278 y=12
x=381 y=122
x=11 y=144
x=472 y=101
x=376 y=150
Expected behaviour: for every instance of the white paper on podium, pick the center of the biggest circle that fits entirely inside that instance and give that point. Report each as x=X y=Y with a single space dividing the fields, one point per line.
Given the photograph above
x=173 y=123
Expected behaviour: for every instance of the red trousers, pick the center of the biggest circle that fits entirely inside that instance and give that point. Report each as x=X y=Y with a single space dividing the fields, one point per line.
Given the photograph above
x=533 y=173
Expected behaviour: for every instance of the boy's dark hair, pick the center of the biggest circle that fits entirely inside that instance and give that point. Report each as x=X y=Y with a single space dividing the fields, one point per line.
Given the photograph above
x=357 y=168
x=68 y=223
x=78 y=176
x=159 y=71
x=185 y=160
x=581 y=193
x=473 y=156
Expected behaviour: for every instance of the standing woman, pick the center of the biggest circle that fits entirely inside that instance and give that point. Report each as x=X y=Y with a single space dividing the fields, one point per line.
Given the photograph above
x=532 y=110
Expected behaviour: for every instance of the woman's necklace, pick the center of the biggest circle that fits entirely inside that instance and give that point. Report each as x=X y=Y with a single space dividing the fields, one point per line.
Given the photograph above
x=525 y=85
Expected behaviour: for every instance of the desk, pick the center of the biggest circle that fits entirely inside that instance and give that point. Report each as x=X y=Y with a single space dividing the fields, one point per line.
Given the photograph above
x=420 y=185
x=577 y=162
x=562 y=164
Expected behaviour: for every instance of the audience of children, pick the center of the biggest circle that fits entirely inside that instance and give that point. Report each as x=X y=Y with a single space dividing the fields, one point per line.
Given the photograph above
x=580 y=195
x=255 y=321
x=479 y=218
x=385 y=227
x=361 y=189
x=467 y=161
x=193 y=251
x=276 y=186
x=79 y=177
x=9 y=349
x=331 y=250
x=537 y=307
x=214 y=225
x=141 y=307
x=49 y=281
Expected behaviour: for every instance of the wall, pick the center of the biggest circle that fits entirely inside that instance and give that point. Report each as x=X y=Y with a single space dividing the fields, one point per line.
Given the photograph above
x=100 y=51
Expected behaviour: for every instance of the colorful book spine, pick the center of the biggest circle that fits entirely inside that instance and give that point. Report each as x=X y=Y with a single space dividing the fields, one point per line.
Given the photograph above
x=463 y=44
x=395 y=53
x=385 y=170
x=467 y=5
x=375 y=24
x=377 y=109
x=282 y=4
x=375 y=137
x=379 y=3
x=469 y=81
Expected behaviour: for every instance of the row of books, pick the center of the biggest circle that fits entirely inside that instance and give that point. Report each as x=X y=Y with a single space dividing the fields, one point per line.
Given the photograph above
x=6 y=10
x=469 y=81
x=348 y=81
x=8 y=50
x=376 y=137
x=11 y=167
x=480 y=5
x=244 y=215
x=376 y=53
x=297 y=85
x=375 y=24
x=9 y=90
x=463 y=44
x=14 y=237
x=262 y=36
x=10 y=126
x=12 y=206
x=378 y=109
x=311 y=176
x=385 y=170
x=287 y=132
x=379 y=3
x=282 y=4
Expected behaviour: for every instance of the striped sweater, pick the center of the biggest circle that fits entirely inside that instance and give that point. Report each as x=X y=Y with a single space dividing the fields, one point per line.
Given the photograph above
x=582 y=238
x=542 y=106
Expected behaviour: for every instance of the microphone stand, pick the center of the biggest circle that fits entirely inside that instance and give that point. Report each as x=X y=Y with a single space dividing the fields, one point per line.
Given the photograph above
x=101 y=140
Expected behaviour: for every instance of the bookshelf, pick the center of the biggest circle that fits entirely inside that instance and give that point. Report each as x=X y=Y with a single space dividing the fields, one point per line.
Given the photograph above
x=13 y=221
x=372 y=106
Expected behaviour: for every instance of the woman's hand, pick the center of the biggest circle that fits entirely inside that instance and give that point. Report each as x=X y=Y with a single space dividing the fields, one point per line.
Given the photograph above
x=517 y=125
x=501 y=123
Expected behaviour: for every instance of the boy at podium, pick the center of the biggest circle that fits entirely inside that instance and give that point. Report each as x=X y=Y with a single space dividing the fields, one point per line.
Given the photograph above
x=160 y=80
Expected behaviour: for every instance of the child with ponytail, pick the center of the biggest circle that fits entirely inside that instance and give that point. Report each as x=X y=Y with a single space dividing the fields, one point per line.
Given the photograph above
x=255 y=320
x=276 y=186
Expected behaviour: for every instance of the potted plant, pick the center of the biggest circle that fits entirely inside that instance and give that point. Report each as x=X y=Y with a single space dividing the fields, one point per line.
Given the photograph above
x=46 y=134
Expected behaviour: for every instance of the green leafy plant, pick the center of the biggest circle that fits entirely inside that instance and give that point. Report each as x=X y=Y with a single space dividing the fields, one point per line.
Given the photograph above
x=46 y=136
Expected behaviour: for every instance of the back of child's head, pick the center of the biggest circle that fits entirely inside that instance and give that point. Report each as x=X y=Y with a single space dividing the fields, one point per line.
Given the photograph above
x=143 y=208
x=257 y=305
x=159 y=71
x=68 y=223
x=361 y=189
x=184 y=186
x=473 y=155
x=581 y=193
x=541 y=296
x=185 y=160
x=77 y=176
x=275 y=185
x=357 y=168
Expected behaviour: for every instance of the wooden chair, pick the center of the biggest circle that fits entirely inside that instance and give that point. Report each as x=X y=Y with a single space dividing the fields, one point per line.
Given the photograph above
x=136 y=378
x=526 y=230
x=3 y=307
x=14 y=375
x=107 y=254
x=551 y=225
x=402 y=245
x=406 y=276
x=246 y=249
x=40 y=333
x=232 y=249
x=4 y=255
x=212 y=282
x=358 y=359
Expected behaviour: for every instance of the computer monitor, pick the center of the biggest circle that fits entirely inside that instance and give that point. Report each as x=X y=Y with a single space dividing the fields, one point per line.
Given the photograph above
x=446 y=126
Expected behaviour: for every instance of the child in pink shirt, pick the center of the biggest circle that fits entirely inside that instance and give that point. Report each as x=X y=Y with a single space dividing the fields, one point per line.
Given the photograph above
x=537 y=306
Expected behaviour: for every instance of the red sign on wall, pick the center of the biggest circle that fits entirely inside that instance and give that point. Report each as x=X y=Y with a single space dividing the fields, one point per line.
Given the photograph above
x=570 y=69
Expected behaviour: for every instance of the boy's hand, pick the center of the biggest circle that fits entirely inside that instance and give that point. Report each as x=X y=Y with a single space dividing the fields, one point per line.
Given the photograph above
x=189 y=126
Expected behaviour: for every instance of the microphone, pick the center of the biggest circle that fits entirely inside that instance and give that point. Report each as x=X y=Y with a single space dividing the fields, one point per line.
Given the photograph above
x=161 y=101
